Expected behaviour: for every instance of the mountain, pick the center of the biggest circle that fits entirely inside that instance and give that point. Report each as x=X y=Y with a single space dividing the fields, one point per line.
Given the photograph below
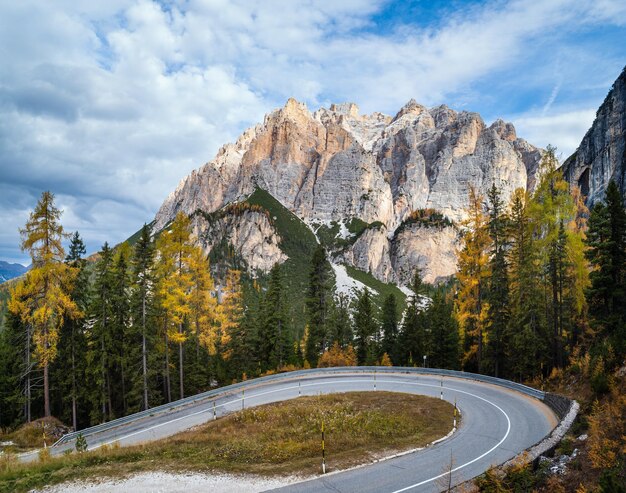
x=9 y=271
x=601 y=156
x=383 y=193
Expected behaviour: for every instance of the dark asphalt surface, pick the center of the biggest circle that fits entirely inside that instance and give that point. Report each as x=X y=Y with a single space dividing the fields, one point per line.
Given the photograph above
x=497 y=424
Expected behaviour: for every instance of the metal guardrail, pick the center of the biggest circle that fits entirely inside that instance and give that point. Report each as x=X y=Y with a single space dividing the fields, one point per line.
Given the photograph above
x=230 y=389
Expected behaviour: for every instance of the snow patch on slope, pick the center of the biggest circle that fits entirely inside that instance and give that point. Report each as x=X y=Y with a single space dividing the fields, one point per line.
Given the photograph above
x=346 y=284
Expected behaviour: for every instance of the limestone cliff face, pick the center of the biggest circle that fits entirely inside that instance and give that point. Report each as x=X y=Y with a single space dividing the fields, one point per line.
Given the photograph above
x=250 y=233
x=336 y=164
x=601 y=156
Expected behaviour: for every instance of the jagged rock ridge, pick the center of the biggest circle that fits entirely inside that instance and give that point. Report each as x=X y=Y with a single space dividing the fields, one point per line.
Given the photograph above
x=335 y=164
x=601 y=156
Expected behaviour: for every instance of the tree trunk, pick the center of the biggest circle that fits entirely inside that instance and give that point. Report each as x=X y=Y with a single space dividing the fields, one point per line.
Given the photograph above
x=28 y=416
x=46 y=392
x=74 y=420
x=168 y=388
x=180 y=369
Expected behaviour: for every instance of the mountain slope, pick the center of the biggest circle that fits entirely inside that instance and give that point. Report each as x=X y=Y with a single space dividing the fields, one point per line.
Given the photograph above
x=337 y=165
x=601 y=156
x=9 y=271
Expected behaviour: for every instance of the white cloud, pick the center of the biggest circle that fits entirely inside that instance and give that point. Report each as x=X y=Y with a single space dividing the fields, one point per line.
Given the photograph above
x=110 y=104
x=564 y=129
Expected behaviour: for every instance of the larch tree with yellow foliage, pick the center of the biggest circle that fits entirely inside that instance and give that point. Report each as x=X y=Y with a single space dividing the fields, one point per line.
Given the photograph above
x=42 y=299
x=204 y=313
x=175 y=247
x=231 y=314
x=473 y=263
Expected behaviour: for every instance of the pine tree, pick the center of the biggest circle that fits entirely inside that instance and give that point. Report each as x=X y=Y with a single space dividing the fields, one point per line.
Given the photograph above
x=69 y=368
x=413 y=340
x=121 y=344
x=606 y=241
x=443 y=333
x=527 y=316
x=365 y=329
x=274 y=334
x=497 y=293
x=472 y=307
x=339 y=322
x=100 y=353
x=317 y=302
x=389 y=327
x=143 y=281
x=42 y=299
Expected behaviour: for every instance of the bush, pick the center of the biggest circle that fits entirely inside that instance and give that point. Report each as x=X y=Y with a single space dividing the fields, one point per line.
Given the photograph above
x=81 y=443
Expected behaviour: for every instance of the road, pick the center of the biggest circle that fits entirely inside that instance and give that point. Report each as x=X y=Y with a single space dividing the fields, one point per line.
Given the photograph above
x=497 y=424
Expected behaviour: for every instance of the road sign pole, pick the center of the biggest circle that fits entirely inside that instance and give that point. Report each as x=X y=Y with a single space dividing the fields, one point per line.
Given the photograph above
x=323 y=452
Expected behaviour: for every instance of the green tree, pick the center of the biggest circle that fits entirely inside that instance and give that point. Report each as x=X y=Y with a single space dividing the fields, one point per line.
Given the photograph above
x=443 y=333
x=339 y=322
x=365 y=329
x=317 y=304
x=497 y=292
x=274 y=333
x=606 y=241
x=100 y=353
x=143 y=281
x=389 y=319
x=413 y=340
x=68 y=370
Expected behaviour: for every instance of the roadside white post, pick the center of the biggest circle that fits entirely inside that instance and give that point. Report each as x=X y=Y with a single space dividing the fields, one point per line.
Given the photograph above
x=455 y=412
x=374 y=379
x=441 y=394
x=214 y=413
x=299 y=390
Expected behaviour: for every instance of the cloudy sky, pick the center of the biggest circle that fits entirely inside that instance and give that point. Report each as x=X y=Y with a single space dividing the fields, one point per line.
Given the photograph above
x=109 y=104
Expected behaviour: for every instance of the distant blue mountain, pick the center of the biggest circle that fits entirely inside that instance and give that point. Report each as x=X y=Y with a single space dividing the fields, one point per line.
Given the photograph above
x=9 y=271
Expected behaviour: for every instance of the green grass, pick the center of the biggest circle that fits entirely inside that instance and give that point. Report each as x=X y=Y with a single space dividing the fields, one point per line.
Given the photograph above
x=380 y=287
x=298 y=243
x=275 y=439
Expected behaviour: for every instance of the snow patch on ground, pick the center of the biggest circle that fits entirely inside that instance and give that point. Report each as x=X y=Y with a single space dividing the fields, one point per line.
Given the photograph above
x=157 y=482
x=346 y=284
x=344 y=233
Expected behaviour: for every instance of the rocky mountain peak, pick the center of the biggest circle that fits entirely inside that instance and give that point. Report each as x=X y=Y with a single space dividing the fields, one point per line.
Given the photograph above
x=335 y=165
x=601 y=156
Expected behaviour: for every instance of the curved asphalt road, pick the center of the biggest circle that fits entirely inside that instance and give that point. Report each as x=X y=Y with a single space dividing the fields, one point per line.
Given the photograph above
x=497 y=424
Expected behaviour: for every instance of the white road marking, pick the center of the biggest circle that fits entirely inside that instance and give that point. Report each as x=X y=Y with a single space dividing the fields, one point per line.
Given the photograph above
x=402 y=382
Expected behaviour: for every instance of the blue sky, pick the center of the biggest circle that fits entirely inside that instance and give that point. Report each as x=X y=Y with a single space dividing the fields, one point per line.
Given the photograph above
x=110 y=104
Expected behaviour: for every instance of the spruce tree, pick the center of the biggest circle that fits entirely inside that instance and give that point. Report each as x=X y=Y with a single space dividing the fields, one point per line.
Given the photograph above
x=274 y=333
x=69 y=369
x=606 y=241
x=317 y=304
x=100 y=356
x=339 y=322
x=497 y=292
x=389 y=319
x=443 y=333
x=365 y=329
x=143 y=281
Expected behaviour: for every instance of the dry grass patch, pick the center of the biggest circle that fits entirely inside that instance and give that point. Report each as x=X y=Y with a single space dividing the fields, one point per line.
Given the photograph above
x=280 y=438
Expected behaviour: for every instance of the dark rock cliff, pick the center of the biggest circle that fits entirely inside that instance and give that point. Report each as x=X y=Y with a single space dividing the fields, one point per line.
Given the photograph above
x=601 y=156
